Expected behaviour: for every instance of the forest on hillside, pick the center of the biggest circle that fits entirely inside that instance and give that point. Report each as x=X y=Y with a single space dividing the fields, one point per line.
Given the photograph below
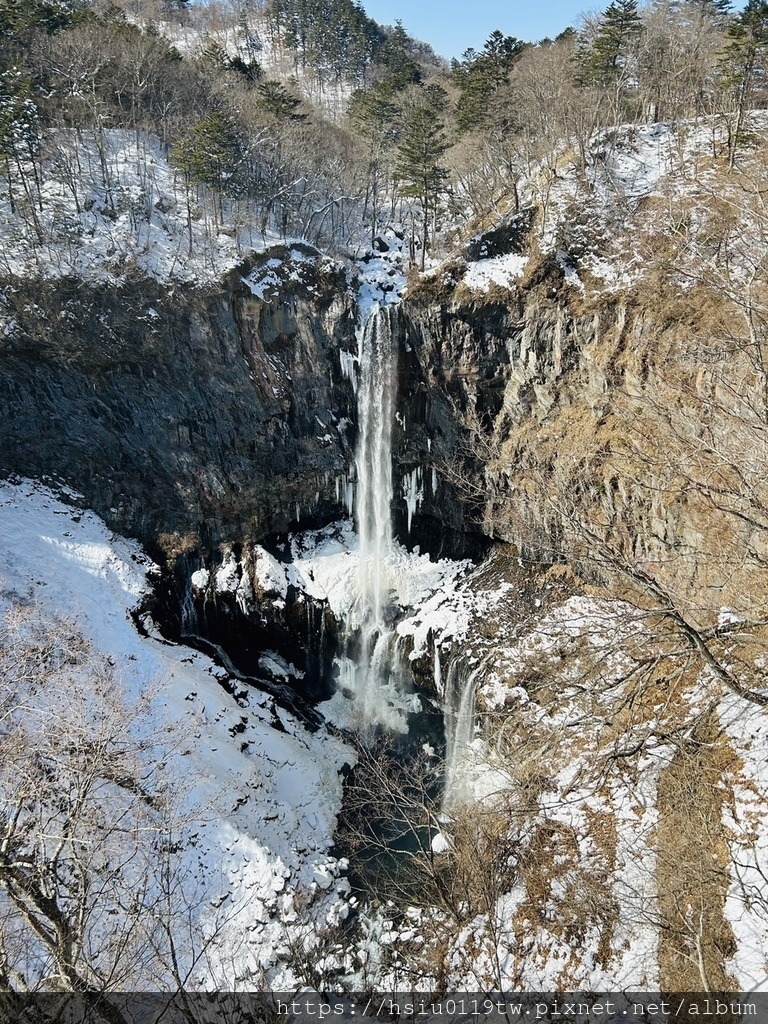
x=306 y=118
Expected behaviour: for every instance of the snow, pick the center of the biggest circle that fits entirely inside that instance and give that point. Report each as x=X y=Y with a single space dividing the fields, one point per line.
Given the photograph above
x=264 y=280
x=325 y=565
x=501 y=270
x=268 y=573
x=199 y=579
x=269 y=278
x=196 y=29
x=648 y=187
x=260 y=808
x=113 y=204
x=534 y=737
x=439 y=844
x=747 y=729
x=380 y=277
x=638 y=159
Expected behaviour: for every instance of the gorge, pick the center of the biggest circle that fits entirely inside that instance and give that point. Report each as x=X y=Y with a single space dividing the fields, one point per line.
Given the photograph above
x=382 y=543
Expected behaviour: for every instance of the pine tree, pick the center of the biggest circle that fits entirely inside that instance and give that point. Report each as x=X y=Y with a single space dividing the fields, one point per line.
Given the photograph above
x=418 y=170
x=619 y=29
x=744 y=60
x=375 y=117
x=394 y=55
x=278 y=101
x=374 y=114
x=479 y=75
x=19 y=18
x=212 y=153
x=718 y=10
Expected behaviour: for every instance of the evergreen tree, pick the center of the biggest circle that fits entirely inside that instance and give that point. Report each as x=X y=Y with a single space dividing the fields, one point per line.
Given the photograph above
x=19 y=18
x=374 y=114
x=250 y=70
x=718 y=10
x=619 y=30
x=375 y=117
x=335 y=37
x=212 y=153
x=479 y=75
x=279 y=102
x=744 y=62
x=395 y=56
x=418 y=171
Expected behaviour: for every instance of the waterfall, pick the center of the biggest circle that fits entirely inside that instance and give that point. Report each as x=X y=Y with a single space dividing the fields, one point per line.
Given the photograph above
x=372 y=671
x=189 y=623
x=459 y=717
x=373 y=460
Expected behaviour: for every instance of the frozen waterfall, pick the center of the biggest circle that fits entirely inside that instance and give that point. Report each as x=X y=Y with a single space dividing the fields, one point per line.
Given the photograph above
x=459 y=716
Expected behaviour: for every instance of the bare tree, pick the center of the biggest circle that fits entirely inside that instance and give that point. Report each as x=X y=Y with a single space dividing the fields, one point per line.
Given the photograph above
x=87 y=861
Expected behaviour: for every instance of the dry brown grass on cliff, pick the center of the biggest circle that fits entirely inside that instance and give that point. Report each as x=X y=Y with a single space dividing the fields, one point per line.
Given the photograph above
x=693 y=874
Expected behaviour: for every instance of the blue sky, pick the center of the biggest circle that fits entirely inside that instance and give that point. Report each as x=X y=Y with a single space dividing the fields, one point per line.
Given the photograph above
x=452 y=26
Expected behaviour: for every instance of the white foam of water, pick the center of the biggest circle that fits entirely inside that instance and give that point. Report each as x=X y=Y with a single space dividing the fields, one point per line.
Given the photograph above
x=373 y=675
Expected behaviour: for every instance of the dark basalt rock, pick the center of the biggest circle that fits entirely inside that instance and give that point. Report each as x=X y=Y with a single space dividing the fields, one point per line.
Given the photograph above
x=202 y=416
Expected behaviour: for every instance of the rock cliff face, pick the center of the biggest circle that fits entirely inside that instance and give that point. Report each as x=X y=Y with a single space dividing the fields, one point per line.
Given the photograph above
x=613 y=432
x=201 y=417
x=473 y=371
x=204 y=422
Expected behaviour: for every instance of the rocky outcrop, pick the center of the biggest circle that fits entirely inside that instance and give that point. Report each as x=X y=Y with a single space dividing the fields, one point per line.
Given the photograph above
x=472 y=370
x=185 y=418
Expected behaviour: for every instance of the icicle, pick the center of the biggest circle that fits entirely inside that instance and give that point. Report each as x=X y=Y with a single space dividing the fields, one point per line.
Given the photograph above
x=438 y=673
x=413 y=493
x=348 y=361
x=189 y=625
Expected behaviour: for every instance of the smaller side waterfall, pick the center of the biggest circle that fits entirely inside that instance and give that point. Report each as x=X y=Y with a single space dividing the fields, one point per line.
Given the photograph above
x=459 y=716
x=189 y=621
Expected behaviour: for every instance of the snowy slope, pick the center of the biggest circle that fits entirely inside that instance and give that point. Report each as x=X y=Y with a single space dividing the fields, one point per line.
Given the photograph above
x=657 y=192
x=260 y=795
x=112 y=204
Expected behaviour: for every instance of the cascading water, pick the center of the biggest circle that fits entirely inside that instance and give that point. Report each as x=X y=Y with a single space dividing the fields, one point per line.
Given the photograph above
x=371 y=670
x=373 y=462
x=459 y=717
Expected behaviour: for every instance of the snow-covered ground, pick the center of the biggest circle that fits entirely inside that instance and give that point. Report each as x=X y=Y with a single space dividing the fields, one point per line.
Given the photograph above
x=655 y=190
x=605 y=823
x=648 y=192
x=195 y=31
x=379 y=275
x=746 y=819
x=259 y=795
x=297 y=263
x=501 y=270
x=554 y=738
